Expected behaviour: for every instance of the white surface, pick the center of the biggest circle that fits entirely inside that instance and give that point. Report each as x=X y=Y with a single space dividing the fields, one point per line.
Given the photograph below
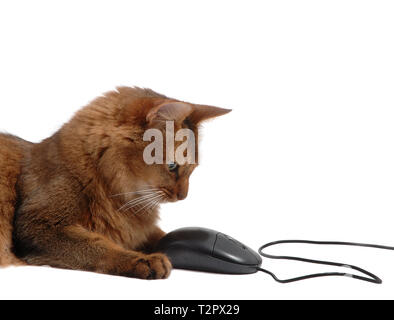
x=306 y=153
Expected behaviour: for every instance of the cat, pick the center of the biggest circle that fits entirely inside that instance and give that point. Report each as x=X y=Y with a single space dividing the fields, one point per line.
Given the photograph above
x=84 y=199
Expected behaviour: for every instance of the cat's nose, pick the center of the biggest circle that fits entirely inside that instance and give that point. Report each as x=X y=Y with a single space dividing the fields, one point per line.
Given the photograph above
x=182 y=189
x=181 y=195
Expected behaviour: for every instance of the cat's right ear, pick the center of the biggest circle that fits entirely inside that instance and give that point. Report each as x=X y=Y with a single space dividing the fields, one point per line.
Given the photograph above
x=169 y=111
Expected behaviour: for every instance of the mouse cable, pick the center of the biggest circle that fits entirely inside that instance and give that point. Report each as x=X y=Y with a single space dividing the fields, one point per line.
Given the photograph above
x=370 y=276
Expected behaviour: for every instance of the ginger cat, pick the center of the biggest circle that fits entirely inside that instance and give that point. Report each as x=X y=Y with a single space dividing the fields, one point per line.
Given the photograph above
x=85 y=199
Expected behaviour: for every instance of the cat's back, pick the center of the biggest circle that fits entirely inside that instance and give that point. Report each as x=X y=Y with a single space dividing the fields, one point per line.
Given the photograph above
x=12 y=150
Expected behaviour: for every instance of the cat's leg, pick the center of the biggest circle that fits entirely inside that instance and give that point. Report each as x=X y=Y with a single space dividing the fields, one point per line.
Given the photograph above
x=150 y=245
x=79 y=249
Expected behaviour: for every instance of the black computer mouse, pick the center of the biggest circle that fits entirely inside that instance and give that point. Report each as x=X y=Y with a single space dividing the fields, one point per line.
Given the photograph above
x=201 y=249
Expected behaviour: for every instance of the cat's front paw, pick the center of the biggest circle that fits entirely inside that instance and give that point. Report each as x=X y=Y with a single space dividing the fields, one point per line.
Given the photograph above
x=153 y=266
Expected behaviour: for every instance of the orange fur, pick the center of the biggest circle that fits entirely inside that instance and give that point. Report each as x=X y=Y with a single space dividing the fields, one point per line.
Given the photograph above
x=67 y=190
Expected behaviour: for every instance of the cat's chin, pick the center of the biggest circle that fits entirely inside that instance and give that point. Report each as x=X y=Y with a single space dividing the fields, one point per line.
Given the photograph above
x=169 y=200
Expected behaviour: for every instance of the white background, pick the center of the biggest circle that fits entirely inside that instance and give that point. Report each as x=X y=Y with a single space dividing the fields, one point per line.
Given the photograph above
x=306 y=153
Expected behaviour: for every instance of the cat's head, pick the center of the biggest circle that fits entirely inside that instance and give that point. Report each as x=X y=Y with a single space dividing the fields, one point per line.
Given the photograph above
x=171 y=153
x=145 y=145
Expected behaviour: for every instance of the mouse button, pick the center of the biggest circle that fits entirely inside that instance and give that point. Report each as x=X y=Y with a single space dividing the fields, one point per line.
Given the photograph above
x=236 y=242
x=231 y=250
x=198 y=235
x=188 y=239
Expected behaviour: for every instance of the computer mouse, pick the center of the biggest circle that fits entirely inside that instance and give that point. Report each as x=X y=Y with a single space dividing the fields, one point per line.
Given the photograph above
x=207 y=250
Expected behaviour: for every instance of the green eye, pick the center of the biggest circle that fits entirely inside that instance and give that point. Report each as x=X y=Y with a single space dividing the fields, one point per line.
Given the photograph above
x=172 y=166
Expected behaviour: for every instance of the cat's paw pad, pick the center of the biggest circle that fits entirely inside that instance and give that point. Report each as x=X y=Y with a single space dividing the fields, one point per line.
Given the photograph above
x=153 y=266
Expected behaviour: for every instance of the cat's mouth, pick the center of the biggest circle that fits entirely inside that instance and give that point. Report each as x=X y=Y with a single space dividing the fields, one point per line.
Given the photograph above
x=169 y=196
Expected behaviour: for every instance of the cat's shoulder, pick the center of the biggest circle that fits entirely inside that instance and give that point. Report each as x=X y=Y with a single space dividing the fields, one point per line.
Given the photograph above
x=12 y=147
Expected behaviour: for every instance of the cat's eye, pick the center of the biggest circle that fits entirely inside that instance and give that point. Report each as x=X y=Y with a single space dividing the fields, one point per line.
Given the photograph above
x=172 y=166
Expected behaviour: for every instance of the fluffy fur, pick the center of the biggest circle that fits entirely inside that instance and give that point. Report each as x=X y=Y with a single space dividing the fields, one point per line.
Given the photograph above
x=74 y=200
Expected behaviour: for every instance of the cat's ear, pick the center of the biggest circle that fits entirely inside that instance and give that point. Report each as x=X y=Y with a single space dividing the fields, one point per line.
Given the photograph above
x=169 y=111
x=202 y=113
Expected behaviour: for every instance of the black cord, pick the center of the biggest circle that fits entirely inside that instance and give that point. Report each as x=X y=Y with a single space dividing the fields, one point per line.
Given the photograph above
x=370 y=276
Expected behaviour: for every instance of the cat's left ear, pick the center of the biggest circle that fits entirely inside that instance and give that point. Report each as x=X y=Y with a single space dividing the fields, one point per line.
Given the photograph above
x=202 y=113
x=169 y=111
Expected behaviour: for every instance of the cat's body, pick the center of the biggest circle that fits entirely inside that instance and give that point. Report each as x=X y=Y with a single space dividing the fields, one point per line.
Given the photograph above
x=12 y=151
x=63 y=202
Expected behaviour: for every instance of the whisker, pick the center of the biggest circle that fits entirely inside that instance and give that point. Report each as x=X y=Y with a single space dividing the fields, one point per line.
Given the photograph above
x=153 y=205
x=149 y=203
x=138 y=199
x=136 y=202
x=134 y=192
x=141 y=200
